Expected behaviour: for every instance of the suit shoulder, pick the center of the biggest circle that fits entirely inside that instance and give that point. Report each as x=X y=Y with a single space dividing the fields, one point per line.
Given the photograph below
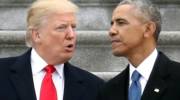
x=174 y=63
x=7 y=61
x=169 y=64
x=174 y=67
x=117 y=80
x=121 y=76
x=85 y=74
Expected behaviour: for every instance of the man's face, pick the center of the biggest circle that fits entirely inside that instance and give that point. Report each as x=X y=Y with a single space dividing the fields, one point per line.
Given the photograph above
x=127 y=31
x=57 y=38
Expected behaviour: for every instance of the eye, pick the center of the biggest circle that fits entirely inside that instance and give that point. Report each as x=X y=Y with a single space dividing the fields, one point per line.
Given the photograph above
x=120 y=23
x=61 y=28
x=111 y=23
x=73 y=27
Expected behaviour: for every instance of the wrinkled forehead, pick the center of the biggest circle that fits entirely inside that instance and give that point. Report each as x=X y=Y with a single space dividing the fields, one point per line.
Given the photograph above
x=66 y=18
x=123 y=10
x=127 y=11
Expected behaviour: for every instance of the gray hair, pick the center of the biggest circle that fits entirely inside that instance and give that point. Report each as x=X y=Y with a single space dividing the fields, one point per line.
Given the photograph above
x=148 y=11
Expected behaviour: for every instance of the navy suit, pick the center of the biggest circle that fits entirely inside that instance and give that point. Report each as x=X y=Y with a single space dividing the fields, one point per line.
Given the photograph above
x=16 y=82
x=163 y=84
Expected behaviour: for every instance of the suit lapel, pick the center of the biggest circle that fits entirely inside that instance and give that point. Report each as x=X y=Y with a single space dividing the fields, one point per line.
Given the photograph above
x=21 y=77
x=156 y=84
x=73 y=83
x=154 y=89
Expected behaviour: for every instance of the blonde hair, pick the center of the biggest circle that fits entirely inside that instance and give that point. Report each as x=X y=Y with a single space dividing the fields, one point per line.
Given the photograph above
x=41 y=9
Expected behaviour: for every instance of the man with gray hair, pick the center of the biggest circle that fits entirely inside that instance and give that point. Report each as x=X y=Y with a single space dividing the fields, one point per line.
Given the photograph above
x=43 y=72
x=150 y=75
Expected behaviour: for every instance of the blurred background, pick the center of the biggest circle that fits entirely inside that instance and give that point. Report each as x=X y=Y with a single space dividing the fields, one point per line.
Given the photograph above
x=93 y=51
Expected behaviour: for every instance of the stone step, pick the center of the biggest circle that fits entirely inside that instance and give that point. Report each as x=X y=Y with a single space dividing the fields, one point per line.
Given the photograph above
x=106 y=75
x=93 y=47
x=86 y=38
x=93 y=14
x=26 y=2
x=93 y=51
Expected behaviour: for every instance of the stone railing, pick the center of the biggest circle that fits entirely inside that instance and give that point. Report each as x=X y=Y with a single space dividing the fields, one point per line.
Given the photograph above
x=20 y=2
x=93 y=49
x=87 y=37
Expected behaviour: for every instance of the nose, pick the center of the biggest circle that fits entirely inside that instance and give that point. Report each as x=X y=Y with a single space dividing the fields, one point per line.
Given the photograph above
x=112 y=31
x=71 y=32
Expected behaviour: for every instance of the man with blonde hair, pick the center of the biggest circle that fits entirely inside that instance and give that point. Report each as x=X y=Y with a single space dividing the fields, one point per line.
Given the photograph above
x=43 y=72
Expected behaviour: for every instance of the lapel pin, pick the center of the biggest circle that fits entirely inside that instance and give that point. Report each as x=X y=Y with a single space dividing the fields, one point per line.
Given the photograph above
x=156 y=90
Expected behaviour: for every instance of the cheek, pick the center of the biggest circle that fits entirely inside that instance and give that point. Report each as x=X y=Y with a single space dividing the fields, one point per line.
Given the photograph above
x=135 y=40
x=58 y=36
x=132 y=35
x=75 y=37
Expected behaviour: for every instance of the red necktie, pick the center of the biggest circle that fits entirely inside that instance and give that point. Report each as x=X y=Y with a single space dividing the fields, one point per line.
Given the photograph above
x=48 y=90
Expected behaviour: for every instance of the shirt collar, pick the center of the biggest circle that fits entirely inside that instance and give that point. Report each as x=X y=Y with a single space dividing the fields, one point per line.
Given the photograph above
x=38 y=64
x=146 y=66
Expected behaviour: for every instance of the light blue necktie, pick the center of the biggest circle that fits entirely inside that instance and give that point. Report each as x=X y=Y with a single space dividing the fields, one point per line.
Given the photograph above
x=135 y=88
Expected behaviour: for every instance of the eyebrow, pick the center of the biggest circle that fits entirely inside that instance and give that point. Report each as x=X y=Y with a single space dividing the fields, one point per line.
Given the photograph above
x=120 y=19
x=117 y=20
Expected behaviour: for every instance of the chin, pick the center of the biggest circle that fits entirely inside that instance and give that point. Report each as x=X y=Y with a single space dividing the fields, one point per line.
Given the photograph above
x=117 y=53
x=69 y=56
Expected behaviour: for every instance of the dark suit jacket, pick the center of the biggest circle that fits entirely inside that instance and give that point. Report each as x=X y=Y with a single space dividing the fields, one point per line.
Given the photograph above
x=16 y=82
x=165 y=76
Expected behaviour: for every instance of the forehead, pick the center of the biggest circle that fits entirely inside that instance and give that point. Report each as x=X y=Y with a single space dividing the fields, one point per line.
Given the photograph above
x=62 y=17
x=124 y=11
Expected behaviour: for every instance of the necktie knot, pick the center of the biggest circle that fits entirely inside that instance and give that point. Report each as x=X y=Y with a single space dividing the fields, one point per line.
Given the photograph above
x=135 y=76
x=49 y=69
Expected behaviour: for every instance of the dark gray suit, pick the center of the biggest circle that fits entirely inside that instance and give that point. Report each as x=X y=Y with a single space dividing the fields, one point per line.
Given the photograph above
x=16 y=82
x=165 y=76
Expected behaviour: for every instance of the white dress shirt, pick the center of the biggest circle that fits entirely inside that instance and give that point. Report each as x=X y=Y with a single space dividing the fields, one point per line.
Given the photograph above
x=145 y=69
x=38 y=64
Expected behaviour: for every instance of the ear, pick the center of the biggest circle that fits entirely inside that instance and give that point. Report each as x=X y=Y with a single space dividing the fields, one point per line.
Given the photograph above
x=150 y=28
x=35 y=35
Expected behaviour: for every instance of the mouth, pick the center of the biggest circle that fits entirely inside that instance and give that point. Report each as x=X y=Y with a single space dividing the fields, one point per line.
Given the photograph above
x=70 y=47
x=115 y=42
